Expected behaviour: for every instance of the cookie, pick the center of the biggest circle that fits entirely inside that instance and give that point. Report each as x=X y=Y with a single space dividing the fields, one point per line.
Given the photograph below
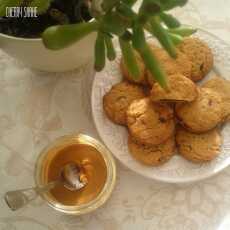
x=180 y=89
x=203 y=114
x=171 y=66
x=221 y=86
x=199 y=54
x=117 y=100
x=150 y=123
x=141 y=78
x=152 y=155
x=198 y=148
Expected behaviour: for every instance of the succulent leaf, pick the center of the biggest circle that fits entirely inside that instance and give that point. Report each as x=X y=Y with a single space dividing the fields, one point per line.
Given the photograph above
x=169 y=20
x=129 y=58
x=176 y=38
x=170 y=4
x=114 y=23
x=183 y=31
x=99 y=52
x=161 y=34
x=111 y=53
x=140 y=44
x=59 y=37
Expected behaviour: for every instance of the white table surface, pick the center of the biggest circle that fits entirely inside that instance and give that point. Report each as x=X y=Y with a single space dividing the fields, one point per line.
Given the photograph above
x=36 y=107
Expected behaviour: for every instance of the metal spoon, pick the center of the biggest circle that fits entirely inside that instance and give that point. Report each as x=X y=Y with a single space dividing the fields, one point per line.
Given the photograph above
x=71 y=177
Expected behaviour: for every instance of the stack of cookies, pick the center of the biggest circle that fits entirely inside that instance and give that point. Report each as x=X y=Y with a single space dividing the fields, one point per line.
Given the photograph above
x=186 y=116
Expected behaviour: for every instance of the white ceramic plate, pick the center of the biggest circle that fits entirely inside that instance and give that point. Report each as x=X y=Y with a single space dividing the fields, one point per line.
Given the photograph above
x=115 y=137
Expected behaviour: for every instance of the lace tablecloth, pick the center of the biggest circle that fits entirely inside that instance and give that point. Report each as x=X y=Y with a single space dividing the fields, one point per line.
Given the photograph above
x=37 y=107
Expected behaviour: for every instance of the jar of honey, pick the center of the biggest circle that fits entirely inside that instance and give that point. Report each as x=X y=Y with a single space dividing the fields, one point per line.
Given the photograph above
x=99 y=169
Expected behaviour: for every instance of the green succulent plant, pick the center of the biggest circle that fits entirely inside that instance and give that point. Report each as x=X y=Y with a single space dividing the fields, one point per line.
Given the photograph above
x=116 y=18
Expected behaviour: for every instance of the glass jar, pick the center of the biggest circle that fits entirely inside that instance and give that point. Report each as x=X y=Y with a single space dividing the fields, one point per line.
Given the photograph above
x=41 y=168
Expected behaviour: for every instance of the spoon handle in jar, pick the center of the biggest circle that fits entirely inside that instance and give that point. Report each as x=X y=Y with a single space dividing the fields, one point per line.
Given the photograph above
x=19 y=198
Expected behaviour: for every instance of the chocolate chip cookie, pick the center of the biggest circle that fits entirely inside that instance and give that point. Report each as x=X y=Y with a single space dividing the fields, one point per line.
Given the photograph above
x=198 y=147
x=150 y=123
x=203 y=114
x=117 y=100
x=199 y=54
x=221 y=86
x=152 y=155
x=180 y=88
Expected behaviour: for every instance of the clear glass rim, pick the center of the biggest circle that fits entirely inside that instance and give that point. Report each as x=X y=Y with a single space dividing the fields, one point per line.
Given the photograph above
x=103 y=195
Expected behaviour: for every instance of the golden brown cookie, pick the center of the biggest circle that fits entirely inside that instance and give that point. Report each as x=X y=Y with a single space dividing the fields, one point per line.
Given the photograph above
x=150 y=123
x=199 y=54
x=198 y=147
x=203 y=114
x=141 y=79
x=171 y=66
x=180 y=88
x=117 y=100
x=152 y=155
x=221 y=86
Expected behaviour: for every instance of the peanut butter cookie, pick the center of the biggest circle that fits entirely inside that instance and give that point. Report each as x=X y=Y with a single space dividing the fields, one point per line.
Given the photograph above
x=152 y=155
x=181 y=88
x=141 y=79
x=198 y=148
x=150 y=123
x=171 y=66
x=117 y=100
x=203 y=114
x=199 y=54
x=221 y=86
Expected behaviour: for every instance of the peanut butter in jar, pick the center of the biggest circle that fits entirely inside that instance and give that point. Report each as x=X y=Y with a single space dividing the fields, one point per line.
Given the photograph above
x=97 y=167
x=93 y=167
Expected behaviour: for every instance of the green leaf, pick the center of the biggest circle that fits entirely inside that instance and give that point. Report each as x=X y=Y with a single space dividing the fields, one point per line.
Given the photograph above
x=58 y=37
x=8 y=3
x=114 y=23
x=126 y=11
x=170 y=4
x=176 y=39
x=42 y=5
x=147 y=55
x=153 y=66
x=161 y=34
x=150 y=7
x=129 y=58
x=183 y=31
x=111 y=54
x=139 y=42
x=99 y=52
x=169 y=20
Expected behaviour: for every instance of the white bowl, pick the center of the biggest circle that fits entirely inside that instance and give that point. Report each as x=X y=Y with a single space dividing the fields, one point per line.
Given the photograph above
x=34 y=54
